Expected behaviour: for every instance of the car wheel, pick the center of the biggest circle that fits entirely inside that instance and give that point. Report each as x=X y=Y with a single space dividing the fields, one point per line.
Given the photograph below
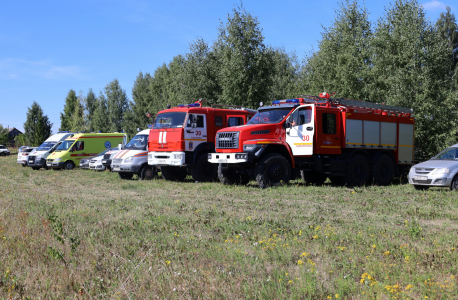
x=272 y=170
x=147 y=173
x=454 y=184
x=69 y=165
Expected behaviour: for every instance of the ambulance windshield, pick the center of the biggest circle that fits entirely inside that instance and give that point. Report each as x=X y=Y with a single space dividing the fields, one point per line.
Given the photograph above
x=138 y=142
x=170 y=120
x=65 y=145
x=270 y=116
x=46 y=146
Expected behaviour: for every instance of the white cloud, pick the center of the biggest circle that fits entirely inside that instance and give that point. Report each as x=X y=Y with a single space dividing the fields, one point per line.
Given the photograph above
x=13 y=68
x=434 y=5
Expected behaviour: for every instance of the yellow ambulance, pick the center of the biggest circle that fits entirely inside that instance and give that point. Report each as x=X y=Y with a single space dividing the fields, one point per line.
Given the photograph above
x=82 y=145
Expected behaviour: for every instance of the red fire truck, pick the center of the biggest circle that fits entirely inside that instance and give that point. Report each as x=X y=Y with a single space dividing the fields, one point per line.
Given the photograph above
x=182 y=137
x=350 y=141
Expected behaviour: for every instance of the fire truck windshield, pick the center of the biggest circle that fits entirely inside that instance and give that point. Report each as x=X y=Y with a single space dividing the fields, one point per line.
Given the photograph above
x=270 y=116
x=170 y=120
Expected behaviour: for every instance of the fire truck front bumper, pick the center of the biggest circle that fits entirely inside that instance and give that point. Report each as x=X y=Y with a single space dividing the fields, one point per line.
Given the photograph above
x=167 y=158
x=230 y=158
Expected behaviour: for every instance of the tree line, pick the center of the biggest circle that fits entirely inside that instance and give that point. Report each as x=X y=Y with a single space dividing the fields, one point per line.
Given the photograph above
x=402 y=59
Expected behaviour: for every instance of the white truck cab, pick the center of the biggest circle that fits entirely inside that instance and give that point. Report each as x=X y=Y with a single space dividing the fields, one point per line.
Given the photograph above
x=133 y=159
x=37 y=158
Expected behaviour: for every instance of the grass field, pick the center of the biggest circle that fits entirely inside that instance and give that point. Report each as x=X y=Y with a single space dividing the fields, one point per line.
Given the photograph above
x=81 y=234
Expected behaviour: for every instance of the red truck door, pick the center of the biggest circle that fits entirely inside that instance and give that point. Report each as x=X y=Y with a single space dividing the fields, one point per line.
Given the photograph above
x=300 y=136
x=193 y=136
x=328 y=139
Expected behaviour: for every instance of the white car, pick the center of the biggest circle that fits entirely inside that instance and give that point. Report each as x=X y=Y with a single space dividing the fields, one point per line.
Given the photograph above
x=4 y=151
x=439 y=171
x=95 y=163
x=23 y=154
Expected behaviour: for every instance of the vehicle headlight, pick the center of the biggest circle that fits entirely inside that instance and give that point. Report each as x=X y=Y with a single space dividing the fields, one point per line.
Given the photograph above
x=129 y=159
x=178 y=156
x=58 y=159
x=412 y=170
x=441 y=171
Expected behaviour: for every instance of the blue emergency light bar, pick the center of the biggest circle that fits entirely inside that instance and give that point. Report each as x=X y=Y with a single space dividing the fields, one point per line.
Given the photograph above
x=189 y=105
x=285 y=101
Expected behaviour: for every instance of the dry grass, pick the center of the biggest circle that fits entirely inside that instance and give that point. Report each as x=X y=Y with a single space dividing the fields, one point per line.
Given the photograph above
x=67 y=234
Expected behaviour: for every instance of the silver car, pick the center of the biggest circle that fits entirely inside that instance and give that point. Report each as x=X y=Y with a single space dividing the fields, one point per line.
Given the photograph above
x=440 y=171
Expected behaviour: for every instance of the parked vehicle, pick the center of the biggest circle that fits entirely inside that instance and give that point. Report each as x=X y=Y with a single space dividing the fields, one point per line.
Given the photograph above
x=37 y=158
x=82 y=145
x=84 y=163
x=23 y=153
x=4 y=151
x=352 y=142
x=133 y=159
x=440 y=171
x=107 y=158
x=95 y=163
x=182 y=137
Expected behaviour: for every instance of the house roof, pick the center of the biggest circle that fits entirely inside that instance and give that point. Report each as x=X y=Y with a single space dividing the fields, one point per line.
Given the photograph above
x=11 y=129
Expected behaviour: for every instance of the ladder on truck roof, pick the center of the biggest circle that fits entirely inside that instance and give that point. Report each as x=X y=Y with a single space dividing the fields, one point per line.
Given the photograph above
x=359 y=104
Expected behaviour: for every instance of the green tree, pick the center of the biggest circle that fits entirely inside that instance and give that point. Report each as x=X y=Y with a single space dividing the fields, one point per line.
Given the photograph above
x=117 y=103
x=78 y=121
x=448 y=30
x=90 y=106
x=100 y=119
x=342 y=64
x=3 y=135
x=37 y=127
x=246 y=64
x=410 y=61
x=285 y=75
x=135 y=117
x=69 y=109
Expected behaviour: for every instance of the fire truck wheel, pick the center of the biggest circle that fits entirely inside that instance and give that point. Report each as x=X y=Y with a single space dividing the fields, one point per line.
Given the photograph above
x=313 y=177
x=204 y=171
x=383 y=170
x=272 y=170
x=69 y=165
x=147 y=173
x=337 y=180
x=126 y=176
x=174 y=173
x=229 y=176
x=358 y=171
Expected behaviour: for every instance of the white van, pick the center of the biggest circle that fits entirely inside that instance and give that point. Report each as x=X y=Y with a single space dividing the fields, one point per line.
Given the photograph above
x=37 y=158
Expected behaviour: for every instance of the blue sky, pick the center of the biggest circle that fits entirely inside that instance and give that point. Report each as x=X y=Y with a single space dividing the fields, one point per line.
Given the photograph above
x=50 y=47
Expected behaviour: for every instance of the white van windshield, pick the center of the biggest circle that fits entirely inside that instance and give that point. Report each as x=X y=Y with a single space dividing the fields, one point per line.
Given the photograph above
x=46 y=146
x=138 y=142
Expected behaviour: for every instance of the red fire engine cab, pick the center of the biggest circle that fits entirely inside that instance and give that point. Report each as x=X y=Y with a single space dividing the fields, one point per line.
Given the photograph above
x=182 y=137
x=350 y=141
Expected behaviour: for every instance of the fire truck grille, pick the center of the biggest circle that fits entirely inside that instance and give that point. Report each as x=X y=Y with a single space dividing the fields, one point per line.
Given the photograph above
x=227 y=140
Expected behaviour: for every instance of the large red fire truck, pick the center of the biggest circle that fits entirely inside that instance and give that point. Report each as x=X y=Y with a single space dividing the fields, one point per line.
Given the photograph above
x=182 y=137
x=349 y=141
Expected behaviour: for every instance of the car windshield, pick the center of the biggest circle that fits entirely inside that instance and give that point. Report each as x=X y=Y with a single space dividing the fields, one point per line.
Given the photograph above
x=46 y=146
x=270 y=116
x=170 y=120
x=138 y=142
x=65 y=145
x=26 y=150
x=2 y=147
x=447 y=154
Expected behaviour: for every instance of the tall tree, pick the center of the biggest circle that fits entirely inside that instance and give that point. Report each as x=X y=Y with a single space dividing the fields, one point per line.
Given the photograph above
x=246 y=63
x=409 y=63
x=37 y=127
x=343 y=62
x=100 y=119
x=90 y=106
x=78 y=121
x=69 y=109
x=3 y=135
x=285 y=75
x=117 y=103
x=142 y=99
x=448 y=30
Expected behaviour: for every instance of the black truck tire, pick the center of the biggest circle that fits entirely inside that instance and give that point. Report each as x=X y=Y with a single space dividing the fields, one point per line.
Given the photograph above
x=313 y=178
x=124 y=175
x=174 y=173
x=147 y=173
x=358 y=171
x=272 y=170
x=229 y=176
x=204 y=171
x=383 y=170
